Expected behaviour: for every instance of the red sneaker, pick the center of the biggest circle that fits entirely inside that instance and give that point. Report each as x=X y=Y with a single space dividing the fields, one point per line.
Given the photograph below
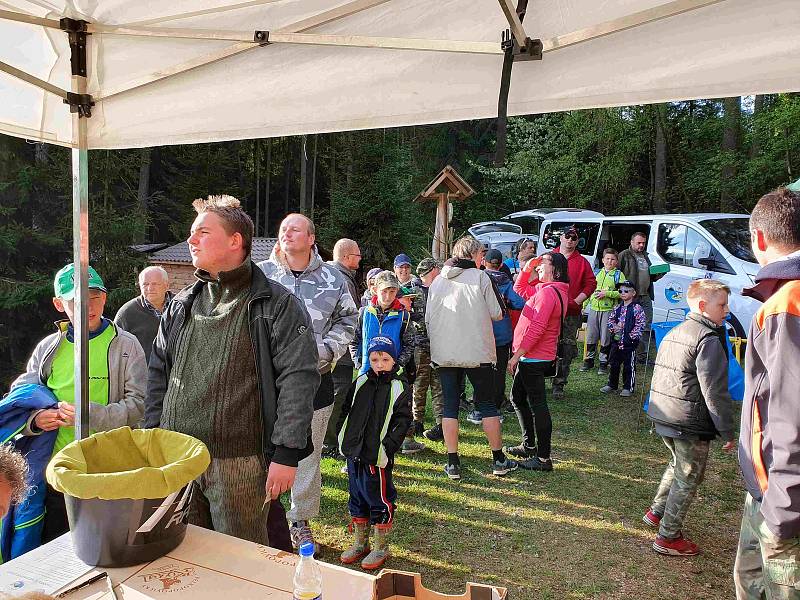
x=680 y=546
x=652 y=519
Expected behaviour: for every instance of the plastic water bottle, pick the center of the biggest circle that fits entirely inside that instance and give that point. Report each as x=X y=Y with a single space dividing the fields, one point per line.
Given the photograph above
x=307 y=576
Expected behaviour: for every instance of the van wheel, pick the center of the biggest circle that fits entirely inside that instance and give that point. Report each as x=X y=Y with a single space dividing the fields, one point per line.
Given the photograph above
x=735 y=328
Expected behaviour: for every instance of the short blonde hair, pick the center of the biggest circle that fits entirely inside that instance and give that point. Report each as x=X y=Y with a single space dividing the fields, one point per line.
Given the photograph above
x=466 y=247
x=230 y=210
x=14 y=470
x=703 y=289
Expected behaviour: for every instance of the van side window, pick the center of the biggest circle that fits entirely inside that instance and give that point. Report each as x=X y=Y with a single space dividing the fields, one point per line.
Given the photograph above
x=671 y=244
x=587 y=235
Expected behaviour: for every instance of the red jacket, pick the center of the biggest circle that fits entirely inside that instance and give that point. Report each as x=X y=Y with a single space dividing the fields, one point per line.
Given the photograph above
x=540 y=322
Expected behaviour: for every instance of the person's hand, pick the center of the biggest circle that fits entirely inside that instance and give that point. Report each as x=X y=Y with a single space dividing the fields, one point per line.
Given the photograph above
x=280 y=479
x=532 y=263
x=48 y=420
x=729 y=446
x=600 y=294
x=67 y=413
x=512 y=365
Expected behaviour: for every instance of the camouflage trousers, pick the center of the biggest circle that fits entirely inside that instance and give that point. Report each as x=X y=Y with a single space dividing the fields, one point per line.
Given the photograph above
x=679 y=484
x=427 y=377
x=766 y=567
x=569 y=334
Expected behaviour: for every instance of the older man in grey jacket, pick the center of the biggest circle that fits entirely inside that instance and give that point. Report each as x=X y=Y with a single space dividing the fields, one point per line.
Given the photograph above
x=325 y=293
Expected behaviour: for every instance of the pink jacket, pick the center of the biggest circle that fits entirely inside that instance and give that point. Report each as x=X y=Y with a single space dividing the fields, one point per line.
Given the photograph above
x=540 y=322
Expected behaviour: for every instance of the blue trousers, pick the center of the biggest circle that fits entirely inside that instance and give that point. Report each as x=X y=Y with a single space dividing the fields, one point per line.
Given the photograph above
x=372 y=493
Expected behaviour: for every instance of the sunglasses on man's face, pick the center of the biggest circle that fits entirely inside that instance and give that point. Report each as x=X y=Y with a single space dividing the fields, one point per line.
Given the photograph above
x=571 y=236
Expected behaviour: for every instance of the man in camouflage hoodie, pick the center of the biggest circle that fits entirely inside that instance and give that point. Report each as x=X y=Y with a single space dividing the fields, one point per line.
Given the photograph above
x=295 y=264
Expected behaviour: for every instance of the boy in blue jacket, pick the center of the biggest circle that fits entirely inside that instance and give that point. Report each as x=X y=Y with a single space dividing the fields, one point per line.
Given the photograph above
x=372 y=426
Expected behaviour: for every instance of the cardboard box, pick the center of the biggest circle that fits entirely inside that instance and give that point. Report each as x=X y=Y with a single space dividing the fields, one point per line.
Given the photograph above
x=213 y=566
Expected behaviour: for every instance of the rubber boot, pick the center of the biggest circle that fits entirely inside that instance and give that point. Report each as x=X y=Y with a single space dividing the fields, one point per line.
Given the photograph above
x=380 y=550
x=360 y=548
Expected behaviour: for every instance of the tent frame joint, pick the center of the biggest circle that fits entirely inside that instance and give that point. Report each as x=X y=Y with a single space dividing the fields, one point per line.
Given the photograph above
x=76 y=30
x=80 y=103
x=261 y=37
x=532 y=50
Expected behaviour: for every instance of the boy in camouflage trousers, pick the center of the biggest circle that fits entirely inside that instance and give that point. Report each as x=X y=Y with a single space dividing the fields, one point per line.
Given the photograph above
x=427 y=377
x=690 y=405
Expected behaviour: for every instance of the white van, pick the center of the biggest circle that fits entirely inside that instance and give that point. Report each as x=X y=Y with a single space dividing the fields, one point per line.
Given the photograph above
x=706 y=245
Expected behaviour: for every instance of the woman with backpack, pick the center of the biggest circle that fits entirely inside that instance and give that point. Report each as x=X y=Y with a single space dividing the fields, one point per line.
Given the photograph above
x=536 y=339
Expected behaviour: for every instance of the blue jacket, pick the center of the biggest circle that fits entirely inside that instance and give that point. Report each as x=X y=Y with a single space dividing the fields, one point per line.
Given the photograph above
x=22 y=526
x=503 y=332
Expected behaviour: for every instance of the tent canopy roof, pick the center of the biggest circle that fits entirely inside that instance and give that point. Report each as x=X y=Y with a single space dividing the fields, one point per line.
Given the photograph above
x=315 y=75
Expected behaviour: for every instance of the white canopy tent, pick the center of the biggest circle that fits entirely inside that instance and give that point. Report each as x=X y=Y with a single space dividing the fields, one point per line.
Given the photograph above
x=210 y=70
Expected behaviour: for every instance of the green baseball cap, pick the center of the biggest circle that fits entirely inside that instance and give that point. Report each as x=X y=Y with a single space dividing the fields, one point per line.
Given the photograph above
x=64 y=283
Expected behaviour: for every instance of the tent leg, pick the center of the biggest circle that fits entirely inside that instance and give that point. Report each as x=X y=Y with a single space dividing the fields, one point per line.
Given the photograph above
x=80 y=251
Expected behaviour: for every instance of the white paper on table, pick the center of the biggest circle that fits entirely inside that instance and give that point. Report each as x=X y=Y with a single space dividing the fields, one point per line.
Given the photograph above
x=45 y=569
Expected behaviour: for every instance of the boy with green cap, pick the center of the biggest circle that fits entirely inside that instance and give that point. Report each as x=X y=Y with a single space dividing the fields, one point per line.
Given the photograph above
x=117 y=379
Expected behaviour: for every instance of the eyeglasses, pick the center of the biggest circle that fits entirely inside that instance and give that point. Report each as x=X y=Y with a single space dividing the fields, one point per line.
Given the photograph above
x=358 y=255
x=571 y=236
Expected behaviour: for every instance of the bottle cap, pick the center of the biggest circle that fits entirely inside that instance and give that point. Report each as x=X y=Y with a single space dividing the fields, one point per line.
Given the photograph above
x=307 y=549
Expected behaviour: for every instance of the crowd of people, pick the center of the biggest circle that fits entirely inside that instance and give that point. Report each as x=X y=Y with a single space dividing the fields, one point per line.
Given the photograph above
x=277 y=364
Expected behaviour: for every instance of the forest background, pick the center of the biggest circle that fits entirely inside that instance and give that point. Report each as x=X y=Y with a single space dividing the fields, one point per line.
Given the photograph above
x=694 y=156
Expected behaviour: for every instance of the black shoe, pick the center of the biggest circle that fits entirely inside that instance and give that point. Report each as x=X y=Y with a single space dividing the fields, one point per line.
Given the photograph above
x=535 y=463
x=434 y=434
x=558 y=392
x=419 y=428
x=453 y=471
x=521 y=451
x=603 y=369
x=587 y=365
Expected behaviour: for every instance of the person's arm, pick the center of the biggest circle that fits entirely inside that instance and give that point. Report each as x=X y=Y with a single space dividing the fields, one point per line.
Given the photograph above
x=128 y=409
x=406 y=341
x=157 y=373
x=712 y=375
x=31 y=375
x=399 y=422
x=525 y=285
x=588 y=282
x=780 y=504
x=294 y=360
x=355 y=345
x=347 y=404
x=336 y=340
x=639 y=321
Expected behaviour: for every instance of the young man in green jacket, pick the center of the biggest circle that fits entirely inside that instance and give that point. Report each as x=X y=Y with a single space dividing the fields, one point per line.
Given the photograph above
x=602 y=301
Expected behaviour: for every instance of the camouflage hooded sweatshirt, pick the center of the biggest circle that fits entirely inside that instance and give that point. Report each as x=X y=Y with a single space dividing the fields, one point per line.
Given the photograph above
x=326 y=296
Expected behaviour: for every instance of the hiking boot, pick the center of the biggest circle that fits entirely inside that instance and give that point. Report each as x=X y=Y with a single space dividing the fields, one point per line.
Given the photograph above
x=520 y=451
x=652 y=519
x=380 y=549
x=602 y=369
x=679 y=546
x=453 y=471
x=434 y=434
x=607 y=389
x=411 y=446
x=419 y=428
x=503 y=467
x=534 y=463
x=626 y=393
x=558 y=392
x=475 y=417
x=587 y=365
x=301 y=533
x=359 y=527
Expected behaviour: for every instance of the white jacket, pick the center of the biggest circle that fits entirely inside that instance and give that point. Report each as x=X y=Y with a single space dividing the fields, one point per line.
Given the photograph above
x=459 y=313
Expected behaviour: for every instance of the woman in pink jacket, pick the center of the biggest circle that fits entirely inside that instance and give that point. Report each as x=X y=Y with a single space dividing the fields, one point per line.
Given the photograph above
x=535 y=347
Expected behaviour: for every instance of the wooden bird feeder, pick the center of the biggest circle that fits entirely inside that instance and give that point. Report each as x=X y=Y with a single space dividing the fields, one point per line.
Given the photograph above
x=446 y=187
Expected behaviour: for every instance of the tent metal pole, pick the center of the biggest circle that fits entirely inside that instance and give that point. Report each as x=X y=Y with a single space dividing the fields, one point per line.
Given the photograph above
x=651 y=15
x=10 y=15
x=35 y=81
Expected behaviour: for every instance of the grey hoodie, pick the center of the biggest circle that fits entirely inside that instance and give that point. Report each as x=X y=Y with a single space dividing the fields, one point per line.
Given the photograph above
x=326 y=296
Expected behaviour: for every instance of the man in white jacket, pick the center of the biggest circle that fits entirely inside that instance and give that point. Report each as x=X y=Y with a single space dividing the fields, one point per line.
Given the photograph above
x=462 y=303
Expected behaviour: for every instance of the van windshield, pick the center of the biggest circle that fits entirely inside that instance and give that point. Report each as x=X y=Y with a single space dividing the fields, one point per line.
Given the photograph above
x=530 y=225
x=734 y=234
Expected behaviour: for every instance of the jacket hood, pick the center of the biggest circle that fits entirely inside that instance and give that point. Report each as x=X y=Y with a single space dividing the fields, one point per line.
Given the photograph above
x=277 y=258
x=772 y=276
x=341 y=268
x=450 y=270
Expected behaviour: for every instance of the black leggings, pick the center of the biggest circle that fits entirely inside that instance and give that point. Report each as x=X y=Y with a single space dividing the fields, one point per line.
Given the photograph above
x=530 y=404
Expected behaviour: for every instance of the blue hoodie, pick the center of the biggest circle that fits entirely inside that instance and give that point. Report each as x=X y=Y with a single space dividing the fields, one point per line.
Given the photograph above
x=503 y=332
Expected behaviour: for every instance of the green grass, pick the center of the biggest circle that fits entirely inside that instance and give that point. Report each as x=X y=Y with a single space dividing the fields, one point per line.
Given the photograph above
x=573 y=533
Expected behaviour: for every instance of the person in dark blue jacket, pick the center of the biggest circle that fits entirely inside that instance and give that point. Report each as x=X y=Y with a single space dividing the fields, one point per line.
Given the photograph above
x=23 y=519
x=503 y=331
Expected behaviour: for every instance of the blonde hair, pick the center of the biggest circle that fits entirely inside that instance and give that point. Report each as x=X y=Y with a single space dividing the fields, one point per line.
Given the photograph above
x=466 y=247
x=235 y=220
x=703 y=289
x=14 y=470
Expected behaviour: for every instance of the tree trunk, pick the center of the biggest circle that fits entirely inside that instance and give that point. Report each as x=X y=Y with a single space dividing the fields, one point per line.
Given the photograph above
x=660 y=171
x=144 y=178
x=257 y=168
x=758 y=107
x=303 y=173
x=287 y=175
x=314 y=175
x=731 y=143
x=266 y=188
